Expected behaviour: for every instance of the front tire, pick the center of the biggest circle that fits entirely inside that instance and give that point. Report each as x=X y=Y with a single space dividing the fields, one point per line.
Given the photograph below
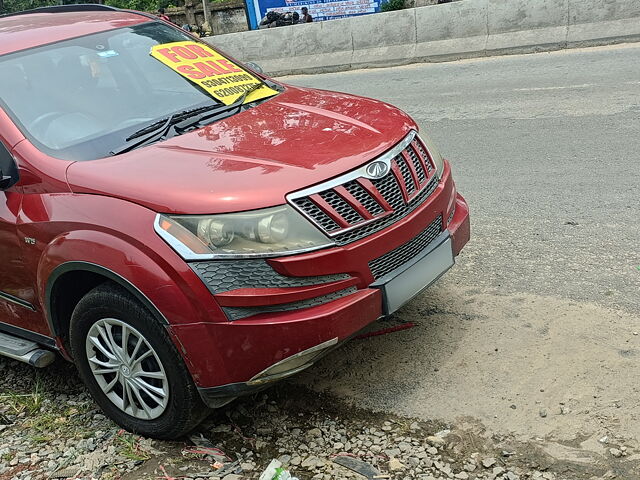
x=131 y=367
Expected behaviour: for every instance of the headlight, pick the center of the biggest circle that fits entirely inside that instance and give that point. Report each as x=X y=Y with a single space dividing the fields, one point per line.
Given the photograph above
x=434 y=152
x=259 y=233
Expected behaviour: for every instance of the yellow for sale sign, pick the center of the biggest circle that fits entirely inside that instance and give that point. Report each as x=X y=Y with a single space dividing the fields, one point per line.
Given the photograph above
x=218 y=75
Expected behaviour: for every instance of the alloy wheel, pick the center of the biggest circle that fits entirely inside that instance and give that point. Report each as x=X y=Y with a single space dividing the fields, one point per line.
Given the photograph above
x=127 y=369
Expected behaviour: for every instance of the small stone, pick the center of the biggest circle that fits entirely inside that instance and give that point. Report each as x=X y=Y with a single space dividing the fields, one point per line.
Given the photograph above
x=543 y=413
x=461 y=475
x=488 y=462
x=395 y=464
x=310 y=462
x=435 y=441
x=615 y=452
x=498 y=471
x=404 y=446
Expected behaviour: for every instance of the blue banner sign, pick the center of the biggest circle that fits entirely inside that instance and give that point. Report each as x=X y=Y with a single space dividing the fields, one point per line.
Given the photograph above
x=320 y=10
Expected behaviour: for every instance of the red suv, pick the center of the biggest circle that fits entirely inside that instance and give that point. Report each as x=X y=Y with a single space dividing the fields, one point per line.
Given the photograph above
x=186 y=230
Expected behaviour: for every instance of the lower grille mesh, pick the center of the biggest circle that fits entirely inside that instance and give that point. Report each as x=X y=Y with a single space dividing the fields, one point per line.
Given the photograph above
x=402 y=254
x=237 y=313
x=225 y=275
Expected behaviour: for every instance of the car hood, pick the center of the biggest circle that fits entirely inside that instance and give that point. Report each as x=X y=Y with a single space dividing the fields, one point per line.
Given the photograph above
x=252 y=159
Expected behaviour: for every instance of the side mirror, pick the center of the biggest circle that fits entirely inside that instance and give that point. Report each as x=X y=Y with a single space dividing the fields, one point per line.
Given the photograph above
x=254 y=66
x=6 y=181
x=9 y=175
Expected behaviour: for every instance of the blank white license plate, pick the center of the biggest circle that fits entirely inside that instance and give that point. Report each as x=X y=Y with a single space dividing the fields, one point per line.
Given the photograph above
x=405 y=285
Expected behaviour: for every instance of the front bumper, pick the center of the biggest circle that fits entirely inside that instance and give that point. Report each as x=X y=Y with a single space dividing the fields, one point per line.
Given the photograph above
x=232 y=358
x=250 y=348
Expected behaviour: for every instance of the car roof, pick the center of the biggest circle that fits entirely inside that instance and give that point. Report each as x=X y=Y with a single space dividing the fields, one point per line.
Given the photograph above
x=33 y=29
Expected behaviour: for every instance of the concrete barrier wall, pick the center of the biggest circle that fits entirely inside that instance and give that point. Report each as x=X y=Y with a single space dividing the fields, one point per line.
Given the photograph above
x=468 y=28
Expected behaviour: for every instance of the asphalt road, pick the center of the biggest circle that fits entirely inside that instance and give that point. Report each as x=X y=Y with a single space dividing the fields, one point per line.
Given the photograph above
x=538 y=143
x=534 y=331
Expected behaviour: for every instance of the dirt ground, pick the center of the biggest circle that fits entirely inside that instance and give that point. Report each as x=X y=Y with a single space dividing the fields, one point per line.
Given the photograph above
x=558 y=373
x=505 y=360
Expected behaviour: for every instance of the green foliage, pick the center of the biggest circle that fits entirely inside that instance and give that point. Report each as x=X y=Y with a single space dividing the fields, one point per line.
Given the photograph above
x=142 y=5
x=10 y=6
x=390 y=5
x=23 y=403
x=129 y=447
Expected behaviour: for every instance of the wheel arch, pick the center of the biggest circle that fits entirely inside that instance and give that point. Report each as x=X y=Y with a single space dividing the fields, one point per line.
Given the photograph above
x=74 y=279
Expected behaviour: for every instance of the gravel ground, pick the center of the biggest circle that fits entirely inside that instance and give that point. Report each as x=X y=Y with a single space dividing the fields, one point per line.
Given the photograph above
x=50 y=428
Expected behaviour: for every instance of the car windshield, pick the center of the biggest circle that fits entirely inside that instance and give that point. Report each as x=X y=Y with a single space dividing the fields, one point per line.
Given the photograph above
x=79 y=99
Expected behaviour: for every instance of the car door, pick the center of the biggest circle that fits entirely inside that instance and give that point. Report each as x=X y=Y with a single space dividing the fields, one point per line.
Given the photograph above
x=15 y=283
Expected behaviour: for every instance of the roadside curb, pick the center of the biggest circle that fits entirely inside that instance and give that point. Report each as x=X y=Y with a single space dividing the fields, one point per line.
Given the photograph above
x=437 y=33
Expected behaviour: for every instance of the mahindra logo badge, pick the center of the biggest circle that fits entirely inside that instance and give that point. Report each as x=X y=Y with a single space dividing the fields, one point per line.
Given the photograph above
x=377 y=169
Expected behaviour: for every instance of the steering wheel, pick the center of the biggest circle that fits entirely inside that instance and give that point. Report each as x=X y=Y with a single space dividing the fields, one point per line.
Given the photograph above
x=47 y=118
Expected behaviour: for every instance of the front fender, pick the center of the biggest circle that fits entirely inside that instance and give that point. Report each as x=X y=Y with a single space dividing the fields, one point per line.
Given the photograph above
x=117 y=237
x=156 y=284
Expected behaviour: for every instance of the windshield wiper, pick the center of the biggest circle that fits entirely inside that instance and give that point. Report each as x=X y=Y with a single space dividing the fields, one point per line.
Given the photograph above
x=160 y=124
x=179 y=122
x=213 y=114
x=156 y=131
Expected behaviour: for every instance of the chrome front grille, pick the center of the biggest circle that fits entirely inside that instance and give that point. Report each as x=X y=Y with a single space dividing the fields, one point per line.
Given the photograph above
x=417 y=165
x=402 y=254
x=345 y=210
x=390 y=190
x=318 y=216
x=356 y=204
x=406 y=175
x=361 y=195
